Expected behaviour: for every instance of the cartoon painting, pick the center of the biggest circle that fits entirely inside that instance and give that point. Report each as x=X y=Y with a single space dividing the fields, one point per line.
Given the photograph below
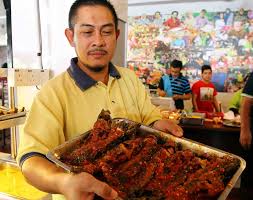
x=221 y=39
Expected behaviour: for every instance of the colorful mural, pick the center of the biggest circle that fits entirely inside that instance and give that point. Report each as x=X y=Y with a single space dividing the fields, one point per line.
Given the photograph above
x=222 y=39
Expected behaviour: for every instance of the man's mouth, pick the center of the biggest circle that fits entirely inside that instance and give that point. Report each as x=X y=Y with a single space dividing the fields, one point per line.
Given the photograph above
x=97 y=53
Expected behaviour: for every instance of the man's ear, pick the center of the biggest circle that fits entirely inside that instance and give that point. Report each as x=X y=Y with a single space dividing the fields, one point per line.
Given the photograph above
x=117 y=33
x=69 y=33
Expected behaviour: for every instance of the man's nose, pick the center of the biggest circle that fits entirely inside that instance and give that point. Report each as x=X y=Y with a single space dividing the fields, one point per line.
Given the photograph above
x=99 y=40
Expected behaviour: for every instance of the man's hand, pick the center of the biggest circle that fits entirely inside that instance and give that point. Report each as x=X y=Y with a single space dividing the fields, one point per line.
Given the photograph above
x=84 y=186
x=245 y=139
x=176 y=96
x=167 y=125
x=161 y=93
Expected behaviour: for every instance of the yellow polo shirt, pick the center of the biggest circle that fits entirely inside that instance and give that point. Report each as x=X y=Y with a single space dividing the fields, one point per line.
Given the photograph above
x=69 y=105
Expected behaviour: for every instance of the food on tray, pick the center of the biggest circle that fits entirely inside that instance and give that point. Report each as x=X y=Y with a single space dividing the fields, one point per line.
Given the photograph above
x=217 y=120
x=143 y=166
x=232 y=120
x=4 y=110
x=166 y=114
x=237 y=120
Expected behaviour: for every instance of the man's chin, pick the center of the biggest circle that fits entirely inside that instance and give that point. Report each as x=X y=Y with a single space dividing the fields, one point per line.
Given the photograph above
x=96 y=68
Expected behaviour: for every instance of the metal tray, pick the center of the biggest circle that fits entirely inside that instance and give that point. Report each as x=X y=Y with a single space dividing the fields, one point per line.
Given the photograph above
x=12 y=115
x=56 y=153
x=192 y=121
x=230 y=124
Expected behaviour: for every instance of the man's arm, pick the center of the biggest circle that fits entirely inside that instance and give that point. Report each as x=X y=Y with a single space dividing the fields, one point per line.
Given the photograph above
x=216 y=104
x=186 y=90
x=194 y=102
x=161 y=93
x=183 y=96
x=160 y=89
x=246 y=135
x=47 y=177
x=168 y=126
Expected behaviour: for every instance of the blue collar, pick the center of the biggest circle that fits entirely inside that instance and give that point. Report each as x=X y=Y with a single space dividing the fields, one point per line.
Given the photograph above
x=82 y=80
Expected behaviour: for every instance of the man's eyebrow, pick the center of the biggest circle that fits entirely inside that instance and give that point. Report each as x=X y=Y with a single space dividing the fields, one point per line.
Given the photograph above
x=92 y=26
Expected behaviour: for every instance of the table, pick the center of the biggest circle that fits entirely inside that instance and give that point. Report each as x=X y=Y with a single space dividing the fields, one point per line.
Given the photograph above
x=215 y=135
x=226 y=139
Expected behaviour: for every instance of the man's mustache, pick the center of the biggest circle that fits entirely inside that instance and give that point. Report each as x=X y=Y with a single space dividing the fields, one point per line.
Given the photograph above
x=97 y=49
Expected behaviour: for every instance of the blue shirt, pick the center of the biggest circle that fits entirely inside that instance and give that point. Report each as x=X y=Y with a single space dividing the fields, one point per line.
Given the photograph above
x=179 y=85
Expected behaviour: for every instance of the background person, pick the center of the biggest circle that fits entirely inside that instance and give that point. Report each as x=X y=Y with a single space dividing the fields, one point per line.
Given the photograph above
x=204 y=92
x=174 y=84
x=68 y=105
x=173 y=21
x=235 y=102
x=246 y=131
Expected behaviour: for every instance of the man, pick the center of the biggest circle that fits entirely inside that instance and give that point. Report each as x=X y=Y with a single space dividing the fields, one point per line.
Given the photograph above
x=175 y=85
x=69 y=104
x=201 y=20
x=204 y=92
x=173 y=21
x=235 y=101
x=246 y=131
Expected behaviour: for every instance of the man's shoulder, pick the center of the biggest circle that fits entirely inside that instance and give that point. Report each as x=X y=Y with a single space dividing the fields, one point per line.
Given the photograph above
x=248 y=91
x=58 y=78
x=183 y=77
x=124 y=71
x=56 y=83
x=197 y=83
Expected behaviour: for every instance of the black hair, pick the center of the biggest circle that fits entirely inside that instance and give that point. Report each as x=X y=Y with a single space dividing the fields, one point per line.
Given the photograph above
x=176 y=64
x=78 y=3
x=205 y=67
x=174 y=12
x=204 y=10
x=158 y=12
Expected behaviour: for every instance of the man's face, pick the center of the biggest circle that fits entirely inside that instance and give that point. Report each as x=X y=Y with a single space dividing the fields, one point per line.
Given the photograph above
x=174 y=15
x=94 y=36
x=202 y=13
x=175 y=72
x=238 y=26
x=207 y=75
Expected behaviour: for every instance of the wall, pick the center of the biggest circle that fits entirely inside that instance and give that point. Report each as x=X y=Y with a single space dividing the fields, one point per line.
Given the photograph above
x=166 y=7
x=223 y=40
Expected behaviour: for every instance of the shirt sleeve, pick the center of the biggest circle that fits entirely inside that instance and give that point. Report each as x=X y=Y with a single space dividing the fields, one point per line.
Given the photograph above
x=235 y=100
x=187 y=88
x=248 y=88
x=43 y=129
x=195 y=88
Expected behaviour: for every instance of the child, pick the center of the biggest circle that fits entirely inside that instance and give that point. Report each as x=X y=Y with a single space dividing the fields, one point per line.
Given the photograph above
x=204 y=92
